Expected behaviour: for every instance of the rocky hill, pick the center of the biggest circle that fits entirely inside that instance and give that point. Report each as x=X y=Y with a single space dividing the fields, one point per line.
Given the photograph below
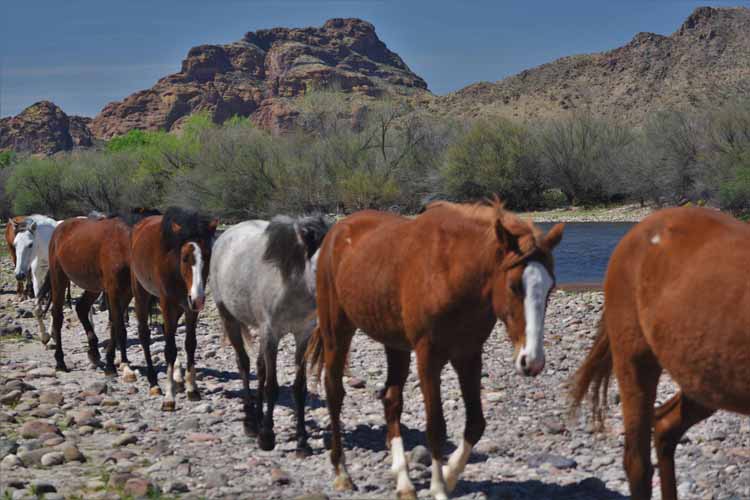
x=44 y=128
x=257 y=76
x=706 y=62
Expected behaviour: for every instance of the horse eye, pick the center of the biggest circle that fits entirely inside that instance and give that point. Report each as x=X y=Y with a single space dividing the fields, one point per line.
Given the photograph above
x=517 y=288
x=29 y=245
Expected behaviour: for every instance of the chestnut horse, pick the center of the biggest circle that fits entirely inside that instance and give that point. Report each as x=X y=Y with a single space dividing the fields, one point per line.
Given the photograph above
x=675 y=299
x=435 y=284
x=170 y=260
x=93 y=254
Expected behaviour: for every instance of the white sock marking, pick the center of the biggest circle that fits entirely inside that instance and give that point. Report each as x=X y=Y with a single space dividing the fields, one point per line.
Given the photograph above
x=400 y=466
x=456 y=464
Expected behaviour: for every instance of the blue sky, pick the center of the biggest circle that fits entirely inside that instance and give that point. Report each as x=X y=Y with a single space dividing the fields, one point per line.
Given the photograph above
x=83 y=54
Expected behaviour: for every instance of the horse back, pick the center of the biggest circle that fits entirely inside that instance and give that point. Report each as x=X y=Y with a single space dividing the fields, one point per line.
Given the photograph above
x=678 y=280
x=90 y=251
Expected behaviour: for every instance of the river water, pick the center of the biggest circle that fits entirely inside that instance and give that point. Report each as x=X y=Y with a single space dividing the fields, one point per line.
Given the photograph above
x=583 y=254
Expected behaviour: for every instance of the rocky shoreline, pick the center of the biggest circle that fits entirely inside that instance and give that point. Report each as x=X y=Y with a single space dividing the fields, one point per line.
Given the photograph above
x=622 y=213
x=81 y=435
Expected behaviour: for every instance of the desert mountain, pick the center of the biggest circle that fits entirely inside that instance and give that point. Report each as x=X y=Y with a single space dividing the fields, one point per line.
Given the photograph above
x=44 y=128
x=706 y=62
x=257 y=75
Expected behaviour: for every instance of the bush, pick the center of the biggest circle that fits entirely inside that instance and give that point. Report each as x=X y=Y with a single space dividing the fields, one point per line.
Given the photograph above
x=583 y=157
x=36 y=186
x=494 y=158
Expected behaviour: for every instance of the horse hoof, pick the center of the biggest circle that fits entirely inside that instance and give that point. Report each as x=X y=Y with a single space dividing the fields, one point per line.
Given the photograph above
x=154 y=391
x=194 y=395
x=45 y=339
x=267 y=440
x=303 y=451
x=128 y=375
x=251 y=429
x=62 y=368
x=167 y=406
x=343 y=483
x=407 y=495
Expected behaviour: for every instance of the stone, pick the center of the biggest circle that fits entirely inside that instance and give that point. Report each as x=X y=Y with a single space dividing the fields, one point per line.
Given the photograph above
x=36 y=428
x=7 y=447
x=53 y=458
x=52 y=398
x=10 y=461
x=117 y=480
x=557 y=461
x=420 y=455
x=11 y=398
x=72 y=453
x=138 y=487
x=279 y=476
x=175 y=487
x=42 y=487
x=33 y=457
x=95 y=389
x=125 y=440
x=42 y=372
x=313 y=496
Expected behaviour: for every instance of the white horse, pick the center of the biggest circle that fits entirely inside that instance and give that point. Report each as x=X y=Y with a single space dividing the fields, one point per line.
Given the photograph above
x=263 y=276
x=32 y=255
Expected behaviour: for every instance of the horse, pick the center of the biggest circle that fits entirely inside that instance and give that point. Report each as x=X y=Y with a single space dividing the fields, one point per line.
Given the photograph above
x=31 y=249
x=675 y=300
x=435 y=284
x=95 y=255
x=263 y=276
x=22 y=287
x=170 y=258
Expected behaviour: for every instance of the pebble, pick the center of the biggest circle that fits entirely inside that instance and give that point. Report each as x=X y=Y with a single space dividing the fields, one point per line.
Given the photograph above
x=54 y=458
x=125 y=440
x=420 y=455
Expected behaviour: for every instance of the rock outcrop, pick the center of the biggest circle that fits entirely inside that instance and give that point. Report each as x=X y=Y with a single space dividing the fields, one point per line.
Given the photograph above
x=706 y=62
x=43 y=128
x=258 y=75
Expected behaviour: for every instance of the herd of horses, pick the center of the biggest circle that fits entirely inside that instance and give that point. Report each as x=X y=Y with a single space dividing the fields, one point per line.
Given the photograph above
x=436 y=284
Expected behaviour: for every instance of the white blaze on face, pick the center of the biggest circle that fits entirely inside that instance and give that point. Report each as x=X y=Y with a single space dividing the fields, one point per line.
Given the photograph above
x=536 y=284
x=24 y=245
x=197 y=289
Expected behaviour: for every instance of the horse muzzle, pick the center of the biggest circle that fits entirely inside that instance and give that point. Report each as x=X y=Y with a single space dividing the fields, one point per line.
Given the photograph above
x=197 y=304
x=529 y=366
x=20 y=276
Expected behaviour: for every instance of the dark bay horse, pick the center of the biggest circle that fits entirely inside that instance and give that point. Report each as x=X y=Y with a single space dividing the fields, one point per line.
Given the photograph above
x=95 y=255
x=170 y=260
x=435 y=284
x=676 y=298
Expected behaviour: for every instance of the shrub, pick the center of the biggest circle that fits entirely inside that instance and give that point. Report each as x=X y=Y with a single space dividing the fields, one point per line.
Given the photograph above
x=36 y=186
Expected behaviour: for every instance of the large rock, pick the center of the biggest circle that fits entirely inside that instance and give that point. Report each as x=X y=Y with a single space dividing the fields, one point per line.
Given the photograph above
x=37 y=428
x=45 y=129
x=258 y=75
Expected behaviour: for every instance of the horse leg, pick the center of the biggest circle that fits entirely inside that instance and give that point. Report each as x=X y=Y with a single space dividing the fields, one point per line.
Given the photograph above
x=269 y=350
x=336 y=347
x=191 y=321
x=637 y=376
x=300 y=394
x=429 y=368
x=171 y=314
x=142 y=308
x=58 y=282
x=37 y=278
x=119 y=298
x=83 y=307
x=672 y=420
x=393 y=403
x=233 y=331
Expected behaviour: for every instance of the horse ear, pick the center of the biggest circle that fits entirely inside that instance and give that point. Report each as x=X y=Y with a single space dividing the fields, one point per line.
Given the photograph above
x=213 y=225
x=13 y=223
x=176 y=228
x=554 y=236
x=504 y=237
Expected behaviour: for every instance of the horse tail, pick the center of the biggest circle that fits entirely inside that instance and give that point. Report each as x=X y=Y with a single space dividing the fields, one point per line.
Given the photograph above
x=45 y=293
x=314 y=353
x=593 y=376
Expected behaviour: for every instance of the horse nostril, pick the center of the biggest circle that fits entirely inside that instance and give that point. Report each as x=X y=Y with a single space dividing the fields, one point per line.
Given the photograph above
x=523 y=361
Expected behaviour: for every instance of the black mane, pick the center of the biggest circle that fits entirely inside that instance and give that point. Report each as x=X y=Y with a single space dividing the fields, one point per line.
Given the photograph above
x=134 y=215
x=284 y=248
x=193 y=227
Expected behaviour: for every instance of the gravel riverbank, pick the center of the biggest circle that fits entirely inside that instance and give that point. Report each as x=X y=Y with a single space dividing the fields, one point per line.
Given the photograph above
x=81 y=435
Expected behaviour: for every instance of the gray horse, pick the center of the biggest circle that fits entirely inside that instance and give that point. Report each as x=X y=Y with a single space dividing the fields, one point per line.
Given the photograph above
x=263 y=276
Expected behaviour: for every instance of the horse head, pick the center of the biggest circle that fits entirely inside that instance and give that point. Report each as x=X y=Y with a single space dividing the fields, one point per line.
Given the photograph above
x=523 y=280
x=24 y=246
x=193 y=235
x=293 y=245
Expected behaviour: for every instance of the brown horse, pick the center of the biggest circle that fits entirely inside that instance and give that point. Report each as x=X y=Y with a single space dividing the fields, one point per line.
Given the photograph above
x=170 y=261
x=675 y=299
x=10 y=236
x=95 y=255
x=435 y=284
